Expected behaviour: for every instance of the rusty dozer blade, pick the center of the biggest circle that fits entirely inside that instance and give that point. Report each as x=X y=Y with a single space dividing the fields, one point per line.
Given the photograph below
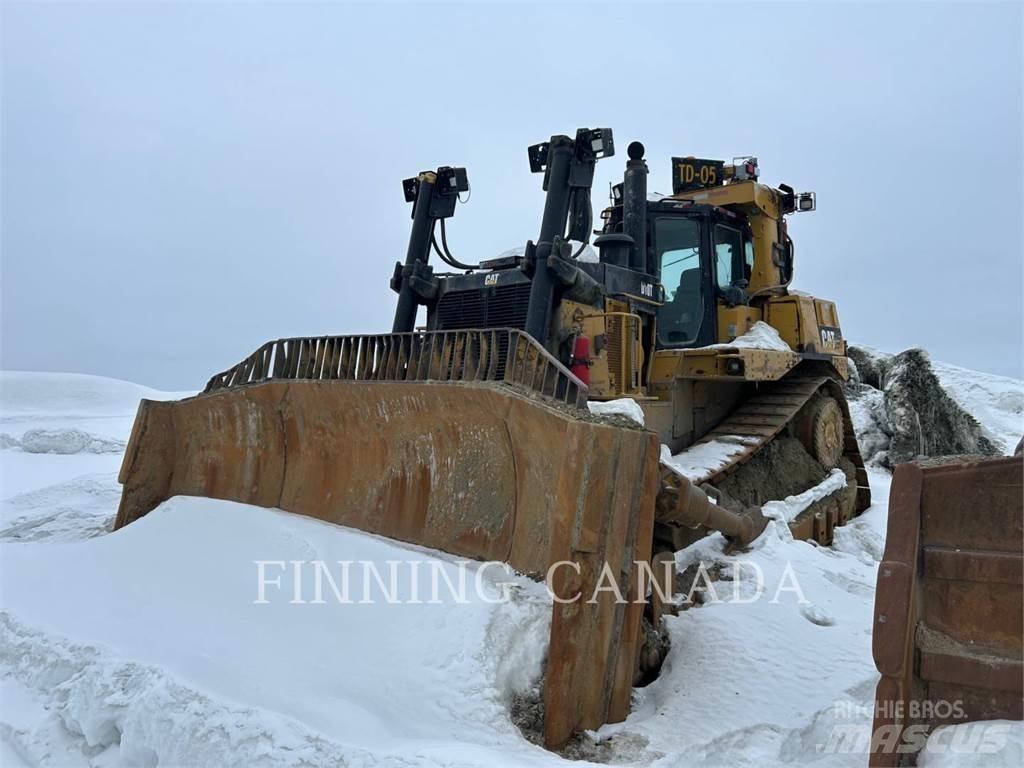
x=949 y=607
x=470 y=442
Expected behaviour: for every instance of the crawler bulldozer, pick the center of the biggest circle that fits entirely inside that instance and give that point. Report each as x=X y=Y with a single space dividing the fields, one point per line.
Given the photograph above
x=472 y=432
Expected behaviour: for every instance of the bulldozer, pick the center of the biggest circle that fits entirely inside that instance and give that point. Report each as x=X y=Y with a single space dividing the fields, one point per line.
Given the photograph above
x=469 y=427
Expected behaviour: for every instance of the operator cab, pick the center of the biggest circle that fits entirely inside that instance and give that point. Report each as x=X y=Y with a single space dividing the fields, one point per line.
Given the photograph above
x=700 y=245
x=704 y=255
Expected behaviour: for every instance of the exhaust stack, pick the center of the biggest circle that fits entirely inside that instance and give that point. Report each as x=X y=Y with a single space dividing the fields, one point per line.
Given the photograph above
x=634 y=207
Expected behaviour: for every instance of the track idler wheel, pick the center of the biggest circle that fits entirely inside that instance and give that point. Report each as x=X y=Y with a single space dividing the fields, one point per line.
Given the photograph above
x=821 y=431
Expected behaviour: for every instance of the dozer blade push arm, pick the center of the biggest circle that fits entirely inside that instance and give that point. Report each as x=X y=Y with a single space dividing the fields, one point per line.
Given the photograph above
x=680 y=502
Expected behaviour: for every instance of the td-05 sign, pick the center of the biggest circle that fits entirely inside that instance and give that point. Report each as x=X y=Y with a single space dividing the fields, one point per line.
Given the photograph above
x=689 y=173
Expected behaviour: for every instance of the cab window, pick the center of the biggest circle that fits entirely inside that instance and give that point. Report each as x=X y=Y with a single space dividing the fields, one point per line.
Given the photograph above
x=730 y=256
x=677 y=242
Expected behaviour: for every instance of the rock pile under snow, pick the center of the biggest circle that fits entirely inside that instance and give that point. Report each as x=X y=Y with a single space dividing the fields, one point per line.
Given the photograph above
x=903 y=411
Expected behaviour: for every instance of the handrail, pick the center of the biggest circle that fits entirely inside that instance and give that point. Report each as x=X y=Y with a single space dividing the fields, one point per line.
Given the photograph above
x=507 y=355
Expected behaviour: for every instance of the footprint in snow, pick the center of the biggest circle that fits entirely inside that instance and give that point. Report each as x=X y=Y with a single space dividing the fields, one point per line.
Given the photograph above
x=851 y=585
x=817 y=615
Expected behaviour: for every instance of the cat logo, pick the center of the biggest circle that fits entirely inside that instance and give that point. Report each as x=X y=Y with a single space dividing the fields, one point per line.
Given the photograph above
x=491 y=279
x=830 y=337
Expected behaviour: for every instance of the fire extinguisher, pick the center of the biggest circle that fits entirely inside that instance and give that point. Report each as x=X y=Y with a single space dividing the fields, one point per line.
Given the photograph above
x=579 y=364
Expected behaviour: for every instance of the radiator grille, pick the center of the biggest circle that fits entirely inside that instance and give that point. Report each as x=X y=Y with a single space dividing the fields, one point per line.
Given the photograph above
x=622 y=332
x=500 y=306
x=617 y=370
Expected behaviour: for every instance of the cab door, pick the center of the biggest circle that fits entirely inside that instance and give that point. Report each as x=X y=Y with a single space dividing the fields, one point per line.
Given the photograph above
x=682 y=244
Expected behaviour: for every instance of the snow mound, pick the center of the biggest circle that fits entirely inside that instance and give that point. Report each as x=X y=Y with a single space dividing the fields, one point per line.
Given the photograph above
x=63 y=441
x=67 y=414
x=193 y=671
x=925 y=420
x=760 y=336
x=624 y=406
x=997 y=402
x=903 y=409
x=55 y=427
x=24 y=392
x=140 y=713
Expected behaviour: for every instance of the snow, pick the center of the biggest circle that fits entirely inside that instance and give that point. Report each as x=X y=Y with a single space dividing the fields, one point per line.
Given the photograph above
x=71 y=402
x=755 y=682
x=64 y=441
x=701 y=459
x=63 y=511
x=870 y=422
x=33 y=394
x=146 y=646
x=22 y=472
x=995 y=401
x=876 y=356
x=987 y=744
x=169 y=644
x=760 y=336
x=787 y=509
x=86 y=419
x=624 y=406
x=588 y=254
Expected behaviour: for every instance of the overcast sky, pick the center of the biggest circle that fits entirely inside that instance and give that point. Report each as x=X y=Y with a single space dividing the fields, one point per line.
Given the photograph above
x=181 y=183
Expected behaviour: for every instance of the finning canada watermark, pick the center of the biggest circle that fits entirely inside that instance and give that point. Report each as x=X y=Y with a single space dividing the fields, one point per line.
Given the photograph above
x=432 y=581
